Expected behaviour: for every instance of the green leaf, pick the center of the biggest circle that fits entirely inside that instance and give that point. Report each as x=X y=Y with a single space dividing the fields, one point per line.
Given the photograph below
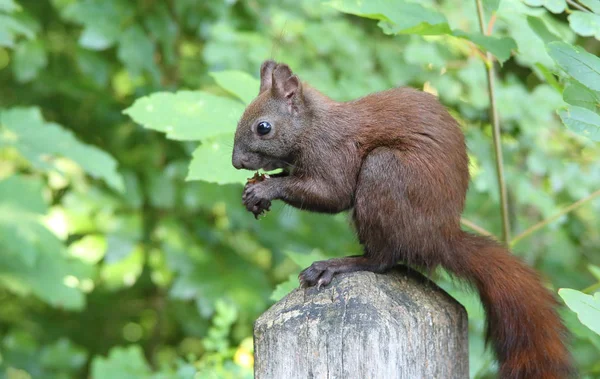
x=238 y=83
x=164 y=29
x=63 y=354
x=45 y=279
x=490 y=7
x=581 y=96
x=577 y=62
x=9 y=6
x=187 y=115
x=32 y=259
x=397 y=17
x=21 y=204
x=90 y=249
x=40 y=142
x=102 y=21
x=22 y=234
x=587 y=307
x=29 y=59
x=554 y=6
x=136 y=51
x=594 y=5
x=585 y=24
x=162 y=190
x=123 y=272
x=550 y=78
x=582 y=121
x=284 y=288
x=499 y=47
x=123 y=363
x=23 y=193
x=10 y=29
x=595 y=270
x=93 y=66
x=541 y=29
x=98 y=38
x=211 y=162
x=208 y=277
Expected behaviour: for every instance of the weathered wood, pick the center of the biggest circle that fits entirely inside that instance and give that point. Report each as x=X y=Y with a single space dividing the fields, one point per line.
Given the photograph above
x=366 y=326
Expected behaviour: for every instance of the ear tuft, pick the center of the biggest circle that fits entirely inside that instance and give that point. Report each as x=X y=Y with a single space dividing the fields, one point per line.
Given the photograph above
x=285 y=83
x=266 y=75
x=281 y=73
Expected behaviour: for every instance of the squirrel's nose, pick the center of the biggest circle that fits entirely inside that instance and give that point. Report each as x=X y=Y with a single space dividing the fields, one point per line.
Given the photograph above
x=238 y=161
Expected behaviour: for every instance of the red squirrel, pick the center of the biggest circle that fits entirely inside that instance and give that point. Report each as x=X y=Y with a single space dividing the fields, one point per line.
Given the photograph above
x=398 y=161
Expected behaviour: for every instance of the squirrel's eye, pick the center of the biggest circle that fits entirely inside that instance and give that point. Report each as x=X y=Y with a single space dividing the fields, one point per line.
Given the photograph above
x=263 y=128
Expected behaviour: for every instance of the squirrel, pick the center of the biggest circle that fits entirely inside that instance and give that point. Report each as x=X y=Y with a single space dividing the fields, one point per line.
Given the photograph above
x=398 y=161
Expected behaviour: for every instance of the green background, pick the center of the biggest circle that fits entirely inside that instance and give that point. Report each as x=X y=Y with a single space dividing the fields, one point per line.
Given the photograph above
x=125 y=251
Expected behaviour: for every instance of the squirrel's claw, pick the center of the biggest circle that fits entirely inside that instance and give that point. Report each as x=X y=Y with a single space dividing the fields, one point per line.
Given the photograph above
x=252 y=200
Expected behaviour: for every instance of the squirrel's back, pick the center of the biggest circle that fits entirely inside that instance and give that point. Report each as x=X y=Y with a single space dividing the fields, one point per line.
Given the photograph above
x=428 y=139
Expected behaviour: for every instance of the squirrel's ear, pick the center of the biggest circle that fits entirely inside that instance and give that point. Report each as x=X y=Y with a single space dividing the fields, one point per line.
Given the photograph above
x=266 y=75
x=285 y=83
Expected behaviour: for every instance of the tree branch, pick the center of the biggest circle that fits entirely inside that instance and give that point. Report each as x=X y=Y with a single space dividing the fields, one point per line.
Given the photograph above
x=471 y=225
x=592 y=289
x=547 y=221
x=496 y=132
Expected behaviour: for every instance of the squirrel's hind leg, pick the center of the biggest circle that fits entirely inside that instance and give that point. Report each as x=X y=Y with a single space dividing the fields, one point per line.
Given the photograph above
x=394 y=220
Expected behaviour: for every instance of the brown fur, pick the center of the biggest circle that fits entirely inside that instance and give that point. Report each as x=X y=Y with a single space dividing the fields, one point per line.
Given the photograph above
x=398 y=160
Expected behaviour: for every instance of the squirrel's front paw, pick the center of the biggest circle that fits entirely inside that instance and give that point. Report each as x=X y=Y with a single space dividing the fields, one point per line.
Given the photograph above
x=256 y=198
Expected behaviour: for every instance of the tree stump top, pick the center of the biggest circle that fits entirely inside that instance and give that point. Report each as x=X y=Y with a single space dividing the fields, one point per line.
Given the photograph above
x=364 y=325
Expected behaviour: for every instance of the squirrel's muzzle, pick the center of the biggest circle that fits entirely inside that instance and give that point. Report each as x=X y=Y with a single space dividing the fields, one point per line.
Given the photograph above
x=238 y=159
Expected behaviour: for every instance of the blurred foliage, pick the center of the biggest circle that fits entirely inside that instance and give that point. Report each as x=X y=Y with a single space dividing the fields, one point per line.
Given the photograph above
x=113 y=265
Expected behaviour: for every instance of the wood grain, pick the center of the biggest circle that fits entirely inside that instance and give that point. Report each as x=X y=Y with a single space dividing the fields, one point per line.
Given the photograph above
x=364 y=325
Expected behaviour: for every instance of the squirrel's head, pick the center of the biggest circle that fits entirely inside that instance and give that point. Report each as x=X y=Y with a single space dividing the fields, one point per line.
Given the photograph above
x=268 y=131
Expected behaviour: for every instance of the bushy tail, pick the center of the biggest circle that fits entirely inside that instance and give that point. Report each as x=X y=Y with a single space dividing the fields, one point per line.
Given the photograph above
x=523 y=326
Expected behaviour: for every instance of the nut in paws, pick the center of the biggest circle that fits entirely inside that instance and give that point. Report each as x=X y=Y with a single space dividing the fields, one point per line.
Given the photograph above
x=256 y=197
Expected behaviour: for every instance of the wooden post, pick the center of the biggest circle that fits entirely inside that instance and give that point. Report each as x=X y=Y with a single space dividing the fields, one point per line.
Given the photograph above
x=364 y=326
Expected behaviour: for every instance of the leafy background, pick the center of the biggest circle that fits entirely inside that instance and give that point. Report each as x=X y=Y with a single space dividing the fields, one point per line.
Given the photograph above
x=127 y=254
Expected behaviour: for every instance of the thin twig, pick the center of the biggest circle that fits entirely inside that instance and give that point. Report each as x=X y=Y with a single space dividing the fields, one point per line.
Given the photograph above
x=490 y=26
x=580 y=7
x=475 y=227
x=592 y=289
x=547 y=221
x=496 y=132
x=484 y=58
